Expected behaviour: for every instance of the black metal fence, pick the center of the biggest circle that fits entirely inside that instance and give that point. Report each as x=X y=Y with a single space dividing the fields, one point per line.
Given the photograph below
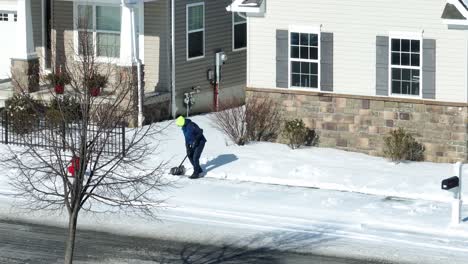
x=38 y=132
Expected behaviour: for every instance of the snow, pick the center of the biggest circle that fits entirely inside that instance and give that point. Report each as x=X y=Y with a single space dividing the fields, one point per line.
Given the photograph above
x=365 y=206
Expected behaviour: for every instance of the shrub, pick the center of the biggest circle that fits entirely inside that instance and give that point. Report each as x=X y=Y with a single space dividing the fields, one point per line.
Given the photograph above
x=263 y=119
x=23 y=113
x=64 y=109
x=400 y=145
x=295 y=133
x=257 y=120
x=58 y=78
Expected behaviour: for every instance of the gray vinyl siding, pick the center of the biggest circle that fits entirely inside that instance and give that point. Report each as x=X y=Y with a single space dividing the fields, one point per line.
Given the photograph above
x=62 y=31
x=218 y=35
x=157 y=46
x=36 y=13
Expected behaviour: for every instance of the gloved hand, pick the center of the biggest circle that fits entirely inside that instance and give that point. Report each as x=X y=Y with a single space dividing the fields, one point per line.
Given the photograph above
x=189 y=149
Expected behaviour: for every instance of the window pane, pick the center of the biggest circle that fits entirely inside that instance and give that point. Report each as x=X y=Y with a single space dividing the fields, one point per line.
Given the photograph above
x=396 y=74
x=296 y=80
x=395 y=58
x=405 y=45
x=195 y=17
x=295 y=67
x=240 y=36
x=304 y=39
x=414 y=59
x=405 y=87
x=304 y=53
x=305 y=69
x=238 y=18
x=396 y=87
x=405 y=59
x=294 y=38
x=108 y=18
x=415 y=75
x=85 y=17
x=415 y=88
x=195 y=44
x=314 y=81
x=314 y=68
x=415 y=46
x=108 y=45
x=405 y=75
x=395 y=44
x=295 y=52
x=305 y=80
x=313 y=40
x=85 y=43
x=313 y=53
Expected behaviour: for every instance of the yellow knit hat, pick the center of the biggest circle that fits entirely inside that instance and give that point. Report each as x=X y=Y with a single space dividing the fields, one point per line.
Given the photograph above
x=180 y=121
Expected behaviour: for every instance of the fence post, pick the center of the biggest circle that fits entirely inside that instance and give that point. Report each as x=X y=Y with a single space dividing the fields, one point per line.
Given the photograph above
x=123 y=140
x=63 y=136
x=5 y=120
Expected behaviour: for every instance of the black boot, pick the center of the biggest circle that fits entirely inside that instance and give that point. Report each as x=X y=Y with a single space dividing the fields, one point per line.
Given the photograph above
x=195 y=175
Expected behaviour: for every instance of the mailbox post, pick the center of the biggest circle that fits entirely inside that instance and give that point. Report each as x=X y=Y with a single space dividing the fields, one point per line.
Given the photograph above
x=454 y=184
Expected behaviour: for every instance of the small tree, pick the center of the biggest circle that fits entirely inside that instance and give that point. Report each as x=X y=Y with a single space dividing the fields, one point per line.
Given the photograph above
x=295 y=133
x=118 y=180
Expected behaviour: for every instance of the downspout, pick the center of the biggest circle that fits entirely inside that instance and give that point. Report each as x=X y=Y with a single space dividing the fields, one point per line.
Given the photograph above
x=136 y=53
x=173 y=92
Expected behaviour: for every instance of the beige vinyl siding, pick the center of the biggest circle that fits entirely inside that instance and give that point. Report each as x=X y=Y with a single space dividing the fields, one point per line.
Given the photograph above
x=355 y=25
x=157 y=41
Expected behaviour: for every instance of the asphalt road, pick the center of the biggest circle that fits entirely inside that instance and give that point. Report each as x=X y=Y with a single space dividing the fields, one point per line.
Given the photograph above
x=29 y=243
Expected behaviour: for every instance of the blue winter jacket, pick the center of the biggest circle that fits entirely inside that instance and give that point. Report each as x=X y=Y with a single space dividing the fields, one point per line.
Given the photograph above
x=192 y=133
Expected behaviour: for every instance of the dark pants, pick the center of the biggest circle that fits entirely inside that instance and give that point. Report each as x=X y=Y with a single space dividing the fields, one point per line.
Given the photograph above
x=194 y=156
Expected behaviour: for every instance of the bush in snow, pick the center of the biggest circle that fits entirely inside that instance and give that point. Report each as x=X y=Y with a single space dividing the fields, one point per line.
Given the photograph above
x=23 y=113
x=64 y=109
x=295 y=133
x=400 y=145
x=257 y=120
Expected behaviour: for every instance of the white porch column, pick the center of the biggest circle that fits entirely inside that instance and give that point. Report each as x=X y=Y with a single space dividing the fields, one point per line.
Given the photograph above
x=24 y=32
x=126 y=47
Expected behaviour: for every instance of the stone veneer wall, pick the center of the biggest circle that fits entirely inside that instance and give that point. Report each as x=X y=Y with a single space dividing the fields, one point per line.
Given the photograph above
x=359 y=123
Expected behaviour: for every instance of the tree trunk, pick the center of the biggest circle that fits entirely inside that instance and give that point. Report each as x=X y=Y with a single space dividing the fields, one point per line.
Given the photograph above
x=70 y=245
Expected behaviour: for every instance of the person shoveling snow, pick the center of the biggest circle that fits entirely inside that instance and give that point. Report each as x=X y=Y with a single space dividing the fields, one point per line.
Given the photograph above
x=194 y=144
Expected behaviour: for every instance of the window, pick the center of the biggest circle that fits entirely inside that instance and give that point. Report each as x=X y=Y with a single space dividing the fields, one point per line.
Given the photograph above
x=304 y=60
x=99 y=30
x=405 y=65
x=3 y=16
x=239 y=29
x=15 y=17
x=195 y=30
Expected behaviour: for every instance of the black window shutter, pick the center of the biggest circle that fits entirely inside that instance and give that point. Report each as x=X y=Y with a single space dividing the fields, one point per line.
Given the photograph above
x=429 y=68
x=326 y=61
x=282 y=58
x=381 y=64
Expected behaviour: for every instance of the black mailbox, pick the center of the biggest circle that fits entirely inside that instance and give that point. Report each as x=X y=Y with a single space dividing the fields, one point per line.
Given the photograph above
x=450 y=183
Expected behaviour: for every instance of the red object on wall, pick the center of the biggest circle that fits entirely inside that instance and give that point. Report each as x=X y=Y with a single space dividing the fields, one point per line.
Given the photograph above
x=75 y=164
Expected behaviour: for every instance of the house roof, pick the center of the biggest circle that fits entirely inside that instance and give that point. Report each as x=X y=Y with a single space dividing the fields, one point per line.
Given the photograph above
x=455 y=12
x=247 y=6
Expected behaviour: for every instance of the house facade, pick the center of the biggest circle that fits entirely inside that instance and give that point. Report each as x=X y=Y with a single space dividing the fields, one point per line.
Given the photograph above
x=175 y=41
x=355 y=70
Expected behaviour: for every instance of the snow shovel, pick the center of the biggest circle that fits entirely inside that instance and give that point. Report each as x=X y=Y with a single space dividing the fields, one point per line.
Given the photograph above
x=179 y=170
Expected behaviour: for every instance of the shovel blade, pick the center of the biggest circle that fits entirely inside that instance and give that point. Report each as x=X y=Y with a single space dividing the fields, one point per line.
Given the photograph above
x=178 y=170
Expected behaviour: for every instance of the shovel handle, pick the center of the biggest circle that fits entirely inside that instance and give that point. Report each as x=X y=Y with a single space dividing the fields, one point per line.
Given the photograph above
x=183 y=160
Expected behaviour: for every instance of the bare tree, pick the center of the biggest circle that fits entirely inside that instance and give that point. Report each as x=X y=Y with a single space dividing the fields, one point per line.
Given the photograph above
x=76 y=166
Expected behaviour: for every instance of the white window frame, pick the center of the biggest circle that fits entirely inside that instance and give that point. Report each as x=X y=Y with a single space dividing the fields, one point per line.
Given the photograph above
x=193 y=31
x=409 y=36
x=307 y=30
x=234 y=23
x=94 y=31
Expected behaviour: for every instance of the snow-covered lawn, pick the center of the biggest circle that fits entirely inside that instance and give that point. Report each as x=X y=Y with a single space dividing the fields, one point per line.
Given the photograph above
x=323 y=168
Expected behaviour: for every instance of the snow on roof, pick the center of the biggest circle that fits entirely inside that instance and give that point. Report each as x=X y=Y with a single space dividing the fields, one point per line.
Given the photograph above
x=247 y=6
